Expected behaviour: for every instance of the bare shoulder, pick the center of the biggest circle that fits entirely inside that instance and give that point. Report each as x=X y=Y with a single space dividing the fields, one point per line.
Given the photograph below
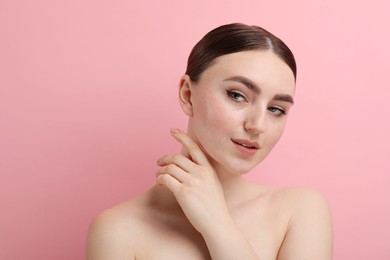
x=300 y=198
x=111 y=234
x=292 y=198
x=309 y=232
x=304 y=205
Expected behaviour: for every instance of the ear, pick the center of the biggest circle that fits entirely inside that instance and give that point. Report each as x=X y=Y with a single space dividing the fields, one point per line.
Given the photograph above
x=185 y=95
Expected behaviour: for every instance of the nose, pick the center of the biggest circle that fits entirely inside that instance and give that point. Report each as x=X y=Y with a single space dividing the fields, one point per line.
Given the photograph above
x=256 y=121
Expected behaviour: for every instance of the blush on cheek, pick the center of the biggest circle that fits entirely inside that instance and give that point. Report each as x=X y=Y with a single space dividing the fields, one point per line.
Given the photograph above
x=211 y=126
x=275 y=137
x=218 y=116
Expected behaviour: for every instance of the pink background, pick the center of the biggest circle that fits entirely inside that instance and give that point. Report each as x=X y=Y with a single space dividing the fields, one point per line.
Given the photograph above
x=88 y=95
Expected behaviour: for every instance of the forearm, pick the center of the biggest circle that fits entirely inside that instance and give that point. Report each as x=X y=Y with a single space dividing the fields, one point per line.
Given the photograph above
x=226 y=242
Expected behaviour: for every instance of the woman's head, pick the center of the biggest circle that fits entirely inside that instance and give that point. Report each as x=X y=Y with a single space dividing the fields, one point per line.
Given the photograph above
x=237 y=92
x=231 y=38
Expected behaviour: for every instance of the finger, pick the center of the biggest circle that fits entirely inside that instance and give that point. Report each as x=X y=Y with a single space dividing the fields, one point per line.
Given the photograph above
x=193 y=147
x=168 y=181
x=178 y=159
x=176 y=172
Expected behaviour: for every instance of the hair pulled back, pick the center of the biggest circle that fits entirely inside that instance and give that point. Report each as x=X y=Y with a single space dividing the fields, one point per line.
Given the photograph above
x=231 y=38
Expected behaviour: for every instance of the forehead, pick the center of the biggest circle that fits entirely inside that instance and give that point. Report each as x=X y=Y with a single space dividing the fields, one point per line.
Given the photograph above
x=264 y=68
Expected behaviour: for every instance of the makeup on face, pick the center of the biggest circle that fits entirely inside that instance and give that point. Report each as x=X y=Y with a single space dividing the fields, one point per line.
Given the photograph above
x=240 y=106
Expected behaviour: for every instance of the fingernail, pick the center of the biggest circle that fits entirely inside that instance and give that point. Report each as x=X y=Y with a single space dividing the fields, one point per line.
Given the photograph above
x=175 y=131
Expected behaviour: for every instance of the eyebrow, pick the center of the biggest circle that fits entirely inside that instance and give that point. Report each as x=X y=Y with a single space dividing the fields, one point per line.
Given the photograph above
x=285 y=98
x=246 y=82
x=253 y=87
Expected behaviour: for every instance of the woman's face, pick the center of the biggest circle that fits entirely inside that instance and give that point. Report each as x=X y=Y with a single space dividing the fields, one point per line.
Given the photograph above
x=239 y=108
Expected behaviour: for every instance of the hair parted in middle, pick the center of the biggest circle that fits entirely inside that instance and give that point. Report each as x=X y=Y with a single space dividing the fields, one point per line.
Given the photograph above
x=231 y=38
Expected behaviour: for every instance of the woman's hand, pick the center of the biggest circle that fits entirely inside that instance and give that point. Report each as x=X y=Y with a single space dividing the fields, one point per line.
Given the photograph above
x=194 y=184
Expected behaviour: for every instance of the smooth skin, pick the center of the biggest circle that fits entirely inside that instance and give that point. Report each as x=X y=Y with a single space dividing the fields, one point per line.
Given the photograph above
x=202 y=207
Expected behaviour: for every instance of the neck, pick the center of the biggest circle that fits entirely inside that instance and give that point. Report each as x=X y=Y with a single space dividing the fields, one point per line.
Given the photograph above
x=234 y=188
x=234 y=185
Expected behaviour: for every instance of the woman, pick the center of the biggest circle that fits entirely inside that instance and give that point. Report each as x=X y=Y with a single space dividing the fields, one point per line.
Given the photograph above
x=237 y=92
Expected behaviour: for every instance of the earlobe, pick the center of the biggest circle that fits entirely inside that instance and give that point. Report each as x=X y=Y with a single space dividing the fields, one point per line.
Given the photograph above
x=185 y=95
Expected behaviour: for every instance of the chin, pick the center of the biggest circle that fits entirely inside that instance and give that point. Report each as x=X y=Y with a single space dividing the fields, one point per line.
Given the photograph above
x=234 y=165
x=239 y=168
x=242 y=171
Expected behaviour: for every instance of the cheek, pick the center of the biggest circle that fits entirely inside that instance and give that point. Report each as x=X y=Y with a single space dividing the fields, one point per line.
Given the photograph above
x=213 y=124
x=276 y=132
x=216 y=116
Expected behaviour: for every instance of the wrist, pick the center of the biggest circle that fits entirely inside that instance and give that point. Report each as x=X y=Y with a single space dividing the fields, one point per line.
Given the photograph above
x=219 y=228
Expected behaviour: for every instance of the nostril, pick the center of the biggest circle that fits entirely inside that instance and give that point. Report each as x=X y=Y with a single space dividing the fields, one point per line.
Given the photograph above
x=256 y=126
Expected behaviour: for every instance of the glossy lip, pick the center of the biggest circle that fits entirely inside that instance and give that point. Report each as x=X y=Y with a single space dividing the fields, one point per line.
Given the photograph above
x=251 y=145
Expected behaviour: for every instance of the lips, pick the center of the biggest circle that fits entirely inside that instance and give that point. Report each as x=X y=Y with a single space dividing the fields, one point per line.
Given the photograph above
x=246 y=143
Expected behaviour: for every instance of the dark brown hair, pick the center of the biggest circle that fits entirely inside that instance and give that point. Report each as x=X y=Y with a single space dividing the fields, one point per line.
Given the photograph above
x=232 y=38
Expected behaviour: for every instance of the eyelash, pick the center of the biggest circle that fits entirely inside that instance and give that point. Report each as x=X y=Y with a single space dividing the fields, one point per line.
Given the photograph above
x=281 y=112
x=235 y=96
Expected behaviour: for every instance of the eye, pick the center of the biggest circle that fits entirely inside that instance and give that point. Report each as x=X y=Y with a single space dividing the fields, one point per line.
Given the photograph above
x=236 y=96
x=277 y=111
